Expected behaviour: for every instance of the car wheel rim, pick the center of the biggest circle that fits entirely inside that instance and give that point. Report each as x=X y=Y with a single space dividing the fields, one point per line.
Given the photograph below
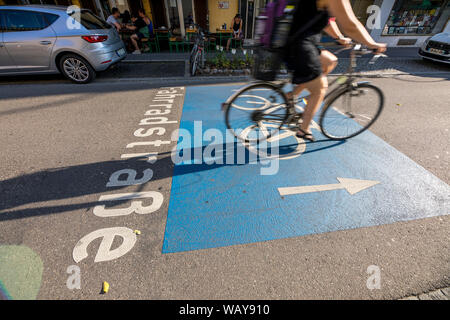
x=76 y=69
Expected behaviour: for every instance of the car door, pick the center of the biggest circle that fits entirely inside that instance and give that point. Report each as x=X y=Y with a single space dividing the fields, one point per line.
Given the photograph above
x=29 y=39
x=6 y=63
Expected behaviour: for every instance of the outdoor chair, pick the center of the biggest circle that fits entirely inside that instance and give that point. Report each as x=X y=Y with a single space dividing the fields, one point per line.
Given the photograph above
x=151 y=44
x=177 y=43
x=211 y=44
x=235 y=43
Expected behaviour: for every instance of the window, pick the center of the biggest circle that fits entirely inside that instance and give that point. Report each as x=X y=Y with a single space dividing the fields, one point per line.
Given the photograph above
x=90 y=21
x=18 y=20
x=50 y=18
x=418 y=17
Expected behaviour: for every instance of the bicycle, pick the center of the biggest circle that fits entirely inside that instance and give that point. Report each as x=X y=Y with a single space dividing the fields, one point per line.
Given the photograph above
x=197 y=53
x=267 y=110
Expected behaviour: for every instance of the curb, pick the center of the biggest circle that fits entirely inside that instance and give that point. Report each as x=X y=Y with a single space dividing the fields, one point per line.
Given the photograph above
x=230 y=79
x=180 y=80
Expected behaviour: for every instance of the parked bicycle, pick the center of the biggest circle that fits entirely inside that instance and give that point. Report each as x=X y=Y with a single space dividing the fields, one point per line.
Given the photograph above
x=258 y=111
x=197 y=57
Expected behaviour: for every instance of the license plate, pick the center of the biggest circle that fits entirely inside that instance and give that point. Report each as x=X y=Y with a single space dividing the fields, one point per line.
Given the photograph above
x=435 y=51
x=120 y=52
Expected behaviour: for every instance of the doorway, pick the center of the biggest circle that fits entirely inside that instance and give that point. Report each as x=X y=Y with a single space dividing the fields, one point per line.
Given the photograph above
x=134 y=6
x=250 y=17
x=201 y=12
x=159 y=13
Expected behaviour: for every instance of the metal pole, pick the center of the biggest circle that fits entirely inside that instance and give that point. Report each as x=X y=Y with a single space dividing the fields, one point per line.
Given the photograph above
x=166 y=5
x=193 y=12
x=100 y=9
x=181 y=17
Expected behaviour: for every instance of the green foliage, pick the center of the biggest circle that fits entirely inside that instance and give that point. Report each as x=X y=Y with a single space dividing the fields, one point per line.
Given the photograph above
x=221 y=61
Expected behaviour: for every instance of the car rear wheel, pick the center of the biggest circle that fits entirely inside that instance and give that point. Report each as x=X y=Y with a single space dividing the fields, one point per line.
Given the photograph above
x=76 y=69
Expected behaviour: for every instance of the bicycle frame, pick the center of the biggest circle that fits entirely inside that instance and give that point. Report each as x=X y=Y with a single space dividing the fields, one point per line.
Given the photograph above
x=199 y=46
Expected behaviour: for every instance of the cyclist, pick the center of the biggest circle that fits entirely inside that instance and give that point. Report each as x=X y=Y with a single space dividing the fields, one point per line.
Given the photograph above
x=311 y=64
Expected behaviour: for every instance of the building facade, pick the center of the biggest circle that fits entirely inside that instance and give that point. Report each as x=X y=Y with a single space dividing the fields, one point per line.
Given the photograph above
x=173 y=14
x=410 y=22
x=396 y=22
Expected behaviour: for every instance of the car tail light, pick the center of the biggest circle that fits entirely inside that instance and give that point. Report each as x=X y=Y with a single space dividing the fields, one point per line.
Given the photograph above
x=95 y=39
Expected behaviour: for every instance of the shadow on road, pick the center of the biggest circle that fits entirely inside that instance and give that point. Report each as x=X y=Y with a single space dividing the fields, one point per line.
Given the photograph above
x=68 y=183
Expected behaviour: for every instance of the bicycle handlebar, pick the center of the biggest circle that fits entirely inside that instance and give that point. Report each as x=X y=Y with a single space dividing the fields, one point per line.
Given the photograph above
x=361 y=50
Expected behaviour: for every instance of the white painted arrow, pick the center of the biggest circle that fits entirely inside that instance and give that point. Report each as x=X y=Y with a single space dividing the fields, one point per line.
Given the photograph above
x=351 y=185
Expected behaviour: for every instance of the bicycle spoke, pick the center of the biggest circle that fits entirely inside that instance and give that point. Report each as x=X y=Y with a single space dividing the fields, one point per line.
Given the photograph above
x=351 y=113
x=256 y=113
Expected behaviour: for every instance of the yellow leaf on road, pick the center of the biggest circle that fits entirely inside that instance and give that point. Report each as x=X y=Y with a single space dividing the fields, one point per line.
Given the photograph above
x=105 y=287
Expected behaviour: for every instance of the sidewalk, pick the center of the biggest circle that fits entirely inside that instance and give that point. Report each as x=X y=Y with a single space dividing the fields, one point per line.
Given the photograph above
x=173 y=68
x=410 y=53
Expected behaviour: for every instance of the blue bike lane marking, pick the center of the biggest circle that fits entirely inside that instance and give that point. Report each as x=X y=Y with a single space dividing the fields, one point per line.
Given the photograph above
x=222 y=205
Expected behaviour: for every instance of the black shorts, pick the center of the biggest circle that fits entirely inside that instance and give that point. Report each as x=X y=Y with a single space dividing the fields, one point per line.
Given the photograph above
x=303 y=58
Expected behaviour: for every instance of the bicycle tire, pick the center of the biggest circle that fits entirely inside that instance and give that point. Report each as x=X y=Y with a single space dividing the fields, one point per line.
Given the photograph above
x=229 y=105
x=194 y=64
x=339 y=93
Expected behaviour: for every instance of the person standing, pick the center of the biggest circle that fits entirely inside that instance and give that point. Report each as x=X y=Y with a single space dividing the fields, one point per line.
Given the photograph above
x=237 y=29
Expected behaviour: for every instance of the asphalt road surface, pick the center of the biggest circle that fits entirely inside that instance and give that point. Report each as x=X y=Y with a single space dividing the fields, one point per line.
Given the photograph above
x=61 y=143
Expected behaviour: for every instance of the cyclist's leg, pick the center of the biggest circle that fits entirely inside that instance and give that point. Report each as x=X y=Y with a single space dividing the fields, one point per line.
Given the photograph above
x=305 y=60
x=296 y=91
x=328 y=60
x=317 y=88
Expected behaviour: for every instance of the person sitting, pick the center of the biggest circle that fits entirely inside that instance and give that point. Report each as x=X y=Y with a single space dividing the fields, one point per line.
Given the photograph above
x=144 y=29
x=113 y=19
x=237 y=29
x=190 y=20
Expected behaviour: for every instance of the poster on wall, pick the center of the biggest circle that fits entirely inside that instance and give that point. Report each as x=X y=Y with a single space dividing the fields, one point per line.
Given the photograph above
x=224 y=4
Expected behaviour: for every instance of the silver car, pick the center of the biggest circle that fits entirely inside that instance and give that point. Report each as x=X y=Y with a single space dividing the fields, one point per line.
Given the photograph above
x=437 y=47
x=51 y=39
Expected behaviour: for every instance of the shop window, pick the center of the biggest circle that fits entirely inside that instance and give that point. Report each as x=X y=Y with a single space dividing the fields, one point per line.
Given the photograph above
x=414 y=17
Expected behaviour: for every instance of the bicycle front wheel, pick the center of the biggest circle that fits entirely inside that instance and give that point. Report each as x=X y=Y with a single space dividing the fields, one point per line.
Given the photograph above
x=351 y=111
x=257 y=112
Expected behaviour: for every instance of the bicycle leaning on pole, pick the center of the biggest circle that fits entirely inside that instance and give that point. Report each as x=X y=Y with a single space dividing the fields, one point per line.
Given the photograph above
x=259 y=110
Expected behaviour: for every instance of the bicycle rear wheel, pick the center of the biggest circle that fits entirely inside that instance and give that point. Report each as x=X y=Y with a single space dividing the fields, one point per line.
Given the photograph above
x=257 y=112
x=194 y=63
x=351 y=111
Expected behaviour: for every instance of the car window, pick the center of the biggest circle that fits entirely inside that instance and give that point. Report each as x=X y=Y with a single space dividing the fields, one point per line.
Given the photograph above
x=90 y=21
x=50 y=18
x=1 y=22
x=21 y=20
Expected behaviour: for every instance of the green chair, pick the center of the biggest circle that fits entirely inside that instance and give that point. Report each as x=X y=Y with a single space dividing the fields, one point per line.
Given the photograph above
x=177 y=43
x=189 y=42
x=149 y=41
x=236 y=42
x=162 y=37
x=223 y=38
x=211 y=44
